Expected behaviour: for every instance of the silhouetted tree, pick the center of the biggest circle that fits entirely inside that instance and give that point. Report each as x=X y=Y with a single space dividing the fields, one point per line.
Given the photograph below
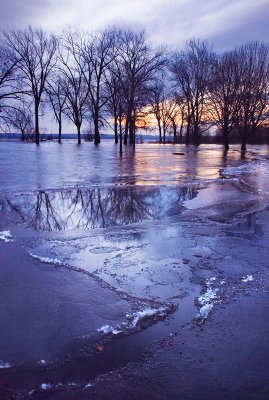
x=156 y=103
x=33 y=52
x=97 y=53
x=115 y=101
x=252 y=75
x=20 y=118
x=75 y=88
x=223 y=94
x=9 y=87
x=57 y=96
x=191 y=72
x=139 y=64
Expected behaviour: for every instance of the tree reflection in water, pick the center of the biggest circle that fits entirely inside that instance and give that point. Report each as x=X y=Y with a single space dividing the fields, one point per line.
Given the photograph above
x=96 y=207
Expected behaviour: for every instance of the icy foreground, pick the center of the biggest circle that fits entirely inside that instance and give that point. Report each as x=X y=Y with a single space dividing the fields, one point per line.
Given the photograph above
x=103 y=271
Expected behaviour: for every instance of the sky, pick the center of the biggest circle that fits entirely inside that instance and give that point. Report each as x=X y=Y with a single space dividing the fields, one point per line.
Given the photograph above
x=224 y=23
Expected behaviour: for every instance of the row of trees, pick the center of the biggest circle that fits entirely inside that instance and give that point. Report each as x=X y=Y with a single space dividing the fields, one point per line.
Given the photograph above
x=114 y=77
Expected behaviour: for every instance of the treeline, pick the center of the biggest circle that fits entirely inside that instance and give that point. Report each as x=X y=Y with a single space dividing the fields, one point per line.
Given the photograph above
x=116 y=78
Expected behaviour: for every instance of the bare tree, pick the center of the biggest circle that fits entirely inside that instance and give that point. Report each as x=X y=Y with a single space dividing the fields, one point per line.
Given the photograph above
x=165 y=109
x=33 y=51
x=98 y=52
x=115 y=103
x=178 y=115
x=139 y=64
x=191 y=70
x=156 y=102
x=73 y=84
x=20 y=118
x=57 y=97
x=252 y=75
x=9 y=88
x=175 y=112
x=223 y=94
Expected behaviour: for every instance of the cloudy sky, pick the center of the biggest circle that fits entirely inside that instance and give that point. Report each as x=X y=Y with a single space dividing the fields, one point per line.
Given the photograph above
x=224 y=23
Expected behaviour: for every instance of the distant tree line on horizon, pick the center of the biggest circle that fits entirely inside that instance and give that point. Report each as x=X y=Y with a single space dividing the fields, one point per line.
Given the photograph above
x=115 y=78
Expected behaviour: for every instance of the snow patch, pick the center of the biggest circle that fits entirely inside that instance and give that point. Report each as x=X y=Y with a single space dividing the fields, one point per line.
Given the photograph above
x=205 y=310
x=4 y=365
x=137 y=320
x=42 y=362
x=48 y=386
x=109 y=329
x=148 y=312
x=247 y=278
x=6 y=236
x=46 y=260
x=206 y=300
x=208 y=296
x=87 y=386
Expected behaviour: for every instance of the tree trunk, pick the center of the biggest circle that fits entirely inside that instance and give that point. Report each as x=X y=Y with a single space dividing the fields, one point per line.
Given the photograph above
x=175 y=132
x=189 y=115
x=131 y=131
x=37 y=135
x=134 y=137
x=160 y=131
x=79 y=135
x=244 y=141
x=226 y=142
x=187 y=139
x=196 y=135
x=60 y=130
x=125 y=141
x=120 y=137
x=96 y=129
x=116 y=129
x=226 y=139
x=180 y=133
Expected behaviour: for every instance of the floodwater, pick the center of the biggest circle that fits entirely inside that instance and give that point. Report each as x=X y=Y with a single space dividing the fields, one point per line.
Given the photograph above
x=103 y=256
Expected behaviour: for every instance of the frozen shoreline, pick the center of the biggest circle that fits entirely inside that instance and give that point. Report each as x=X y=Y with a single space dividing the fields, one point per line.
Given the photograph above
x=202 y=257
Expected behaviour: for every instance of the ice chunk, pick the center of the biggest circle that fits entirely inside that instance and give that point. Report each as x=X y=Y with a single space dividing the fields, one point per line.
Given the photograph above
x=205 y=310
x=87 y=386
x=6 y=236
x=42 y=362
x=46 y=386
x=247 y=278
x=116 y=332
x=105 y=329
x=207 y=296
x=46 y=260
x=4 y=365
x=206 y=300
x=109 y=329
x=148 y=312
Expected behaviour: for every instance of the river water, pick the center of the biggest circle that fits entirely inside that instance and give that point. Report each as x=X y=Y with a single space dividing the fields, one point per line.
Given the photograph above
x=101 y=255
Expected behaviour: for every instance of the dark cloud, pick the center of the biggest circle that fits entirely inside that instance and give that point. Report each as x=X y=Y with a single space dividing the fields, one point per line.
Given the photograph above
x=255 y=27
x=224 y=23
x=21 y=12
